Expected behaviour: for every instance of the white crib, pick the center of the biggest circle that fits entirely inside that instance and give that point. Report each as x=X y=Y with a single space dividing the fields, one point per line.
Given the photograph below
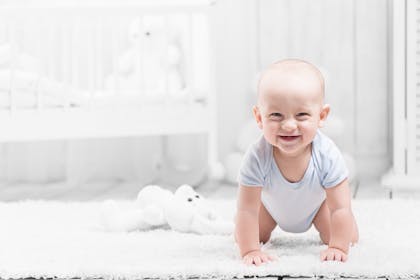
x=123 y=68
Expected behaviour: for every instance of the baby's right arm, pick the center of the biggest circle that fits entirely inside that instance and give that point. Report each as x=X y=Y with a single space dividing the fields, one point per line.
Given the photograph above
x=247 y=226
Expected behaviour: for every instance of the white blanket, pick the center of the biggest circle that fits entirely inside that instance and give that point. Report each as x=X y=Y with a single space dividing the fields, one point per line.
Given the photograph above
x=58 y=239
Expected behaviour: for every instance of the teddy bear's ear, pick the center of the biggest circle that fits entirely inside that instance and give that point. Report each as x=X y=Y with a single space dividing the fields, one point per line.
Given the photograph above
x=185 y=190
x=153 y=195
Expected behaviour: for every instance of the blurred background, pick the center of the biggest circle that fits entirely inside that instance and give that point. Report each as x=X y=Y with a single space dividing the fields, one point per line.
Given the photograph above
x=89 y=88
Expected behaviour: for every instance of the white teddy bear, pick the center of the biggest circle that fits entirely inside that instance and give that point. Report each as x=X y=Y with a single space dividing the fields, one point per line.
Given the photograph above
x=183 y=211
x=158 y=69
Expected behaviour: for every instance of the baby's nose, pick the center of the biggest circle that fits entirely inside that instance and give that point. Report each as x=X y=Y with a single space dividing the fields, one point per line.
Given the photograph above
x=289 y=125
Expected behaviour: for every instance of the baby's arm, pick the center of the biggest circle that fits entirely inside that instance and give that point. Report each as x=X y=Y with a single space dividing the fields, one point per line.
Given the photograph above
x=247 y=226
x=343 y=226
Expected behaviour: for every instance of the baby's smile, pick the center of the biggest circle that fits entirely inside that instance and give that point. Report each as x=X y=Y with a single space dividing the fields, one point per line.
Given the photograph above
x=289 y=138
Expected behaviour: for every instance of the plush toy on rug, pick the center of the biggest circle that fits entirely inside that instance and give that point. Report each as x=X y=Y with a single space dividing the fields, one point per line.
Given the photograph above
x=183 y=211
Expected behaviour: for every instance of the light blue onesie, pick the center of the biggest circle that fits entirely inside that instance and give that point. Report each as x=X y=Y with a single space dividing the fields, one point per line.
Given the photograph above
x=293 y=205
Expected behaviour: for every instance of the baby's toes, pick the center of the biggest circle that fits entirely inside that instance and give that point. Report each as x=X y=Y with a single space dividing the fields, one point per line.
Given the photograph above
x=264 y=259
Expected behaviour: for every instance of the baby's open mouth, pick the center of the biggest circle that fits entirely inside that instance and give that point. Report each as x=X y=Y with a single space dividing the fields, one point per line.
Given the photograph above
x=289 y=138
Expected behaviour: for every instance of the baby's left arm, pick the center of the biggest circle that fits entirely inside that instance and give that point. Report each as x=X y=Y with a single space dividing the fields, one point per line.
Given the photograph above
x=343 y=226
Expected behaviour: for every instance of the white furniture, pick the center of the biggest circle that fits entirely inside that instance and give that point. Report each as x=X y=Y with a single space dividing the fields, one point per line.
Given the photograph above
x=106 y=69
x=405 y=172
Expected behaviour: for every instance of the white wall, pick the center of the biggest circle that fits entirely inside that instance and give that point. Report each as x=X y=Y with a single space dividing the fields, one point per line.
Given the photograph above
x=346 y=38
x=235 y=63
x=349 y=41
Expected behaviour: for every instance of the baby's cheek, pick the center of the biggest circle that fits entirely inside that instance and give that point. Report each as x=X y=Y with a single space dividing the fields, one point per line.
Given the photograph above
x=272 y=127
x=270 y=134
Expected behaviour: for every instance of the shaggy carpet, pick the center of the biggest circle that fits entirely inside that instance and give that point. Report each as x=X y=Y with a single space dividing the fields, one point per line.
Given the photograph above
x=65 y=240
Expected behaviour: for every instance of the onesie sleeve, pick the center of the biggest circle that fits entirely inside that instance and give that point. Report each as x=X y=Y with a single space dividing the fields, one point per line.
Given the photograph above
x=334 y=169
x=251 y=172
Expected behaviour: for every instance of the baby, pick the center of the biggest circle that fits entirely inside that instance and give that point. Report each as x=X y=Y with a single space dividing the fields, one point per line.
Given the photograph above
x=293 y=176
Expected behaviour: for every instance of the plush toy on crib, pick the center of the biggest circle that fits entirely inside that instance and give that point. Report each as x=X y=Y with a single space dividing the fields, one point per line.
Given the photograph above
x=183 y=211
x=160 y=65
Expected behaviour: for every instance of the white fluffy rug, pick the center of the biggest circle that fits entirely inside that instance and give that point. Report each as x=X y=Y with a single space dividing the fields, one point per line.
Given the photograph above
x=58 y=239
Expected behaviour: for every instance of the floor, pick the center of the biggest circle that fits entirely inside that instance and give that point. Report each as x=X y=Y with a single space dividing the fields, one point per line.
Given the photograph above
x=365 y=189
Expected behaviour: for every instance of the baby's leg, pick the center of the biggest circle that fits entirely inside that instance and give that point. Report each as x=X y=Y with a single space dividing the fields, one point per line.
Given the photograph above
x=322 y=223
x=266 y=224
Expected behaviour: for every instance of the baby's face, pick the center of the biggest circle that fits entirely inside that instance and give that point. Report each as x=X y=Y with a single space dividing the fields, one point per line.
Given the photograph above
x=290 y=109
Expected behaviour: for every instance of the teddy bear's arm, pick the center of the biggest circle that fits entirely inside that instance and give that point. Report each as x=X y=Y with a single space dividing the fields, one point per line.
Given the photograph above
x=203 y=225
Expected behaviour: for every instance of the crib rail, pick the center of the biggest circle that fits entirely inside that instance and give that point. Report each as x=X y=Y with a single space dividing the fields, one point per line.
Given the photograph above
x=82 y=124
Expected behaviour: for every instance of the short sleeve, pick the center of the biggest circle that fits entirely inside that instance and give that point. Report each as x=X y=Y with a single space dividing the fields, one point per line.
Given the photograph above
x=334 y=167
x=251 y=172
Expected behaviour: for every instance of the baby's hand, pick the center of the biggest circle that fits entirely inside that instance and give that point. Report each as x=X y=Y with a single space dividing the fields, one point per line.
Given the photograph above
x=333 y=254
x=257 y=257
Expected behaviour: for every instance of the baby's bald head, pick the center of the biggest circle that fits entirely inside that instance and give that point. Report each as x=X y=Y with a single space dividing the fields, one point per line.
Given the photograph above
x=291 y=76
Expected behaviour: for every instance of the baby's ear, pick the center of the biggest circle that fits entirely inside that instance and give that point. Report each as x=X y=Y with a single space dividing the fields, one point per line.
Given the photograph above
x=257 y=116
x=324 y=114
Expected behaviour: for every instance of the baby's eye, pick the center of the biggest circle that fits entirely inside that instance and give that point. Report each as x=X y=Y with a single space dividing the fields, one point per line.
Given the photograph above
x=275 y=116
x=302 y=115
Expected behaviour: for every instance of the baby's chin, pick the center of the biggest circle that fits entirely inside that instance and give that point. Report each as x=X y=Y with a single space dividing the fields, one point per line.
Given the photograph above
x=291 y=149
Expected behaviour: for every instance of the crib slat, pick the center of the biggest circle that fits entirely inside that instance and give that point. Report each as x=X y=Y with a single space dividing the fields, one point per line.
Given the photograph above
x=64 y=54
x=50 y=55
x=75 y=33
x=166 y=59
x=90 y=61
x=12 y=31
x=189 y=73
x=140 y=55
x=98 y=46
x=38 y=29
